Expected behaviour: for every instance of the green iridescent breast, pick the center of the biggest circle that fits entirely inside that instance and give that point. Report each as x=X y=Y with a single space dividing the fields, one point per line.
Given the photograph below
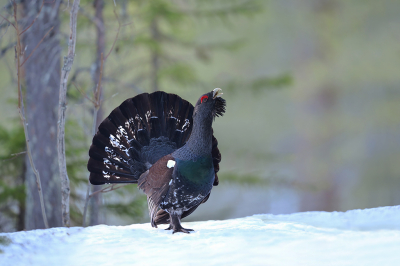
x=198 y=171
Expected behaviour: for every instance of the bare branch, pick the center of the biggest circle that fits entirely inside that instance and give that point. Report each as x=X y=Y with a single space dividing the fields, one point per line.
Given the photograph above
x=78 y=71
x=37 y=46
x=127 y=24
x=5 y=49
x=67 y=6
x=21 y=111
x=116 y=36
x=84 y=95
x=93 y=19
x=8 y=21
x=97 y=92
x=68 y=61
x=14 y=155
x=108 y=189
x=18 y=153
x=33 y=21
x=5 y=32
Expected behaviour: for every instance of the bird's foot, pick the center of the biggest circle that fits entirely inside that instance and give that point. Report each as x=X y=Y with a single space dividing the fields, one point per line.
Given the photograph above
x=183 y=230
x=180 y=229
x=175 y=224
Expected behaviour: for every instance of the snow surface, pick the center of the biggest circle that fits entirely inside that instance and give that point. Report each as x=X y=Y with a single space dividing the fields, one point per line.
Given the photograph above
x=357 y=237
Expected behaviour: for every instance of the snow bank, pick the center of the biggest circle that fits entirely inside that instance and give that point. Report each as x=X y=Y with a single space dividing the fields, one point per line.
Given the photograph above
x=358 y=237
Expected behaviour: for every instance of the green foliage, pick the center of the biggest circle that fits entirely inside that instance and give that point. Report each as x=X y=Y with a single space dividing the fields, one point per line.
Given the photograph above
x=129 y=203
x=226 y=9
x=12 y=189
x=257 y=180
x=134 y=209
x=259 y=84
x=179 y=73
x=12 y=141
x=247 y=179
x=4 y=241
x=76 y=152
x=163 y=10
x=16 y=192
x=271 y=82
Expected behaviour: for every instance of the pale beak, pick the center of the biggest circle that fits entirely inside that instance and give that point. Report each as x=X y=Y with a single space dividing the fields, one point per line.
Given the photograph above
x=217 y=92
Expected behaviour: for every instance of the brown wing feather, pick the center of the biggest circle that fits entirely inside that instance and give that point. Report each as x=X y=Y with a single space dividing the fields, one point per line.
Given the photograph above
x=157 y=176
x=155 y=184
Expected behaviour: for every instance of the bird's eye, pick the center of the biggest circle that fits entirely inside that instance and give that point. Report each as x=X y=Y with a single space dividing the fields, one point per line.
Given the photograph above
x=203 y=98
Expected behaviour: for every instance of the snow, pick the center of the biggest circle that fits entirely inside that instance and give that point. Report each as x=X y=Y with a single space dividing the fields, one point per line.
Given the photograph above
x=357 y=237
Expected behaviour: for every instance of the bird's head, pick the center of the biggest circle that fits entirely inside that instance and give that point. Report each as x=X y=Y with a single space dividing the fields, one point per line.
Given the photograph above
x=210 y=105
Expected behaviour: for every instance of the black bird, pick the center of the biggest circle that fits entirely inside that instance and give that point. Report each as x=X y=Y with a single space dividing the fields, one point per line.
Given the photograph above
x=164 y=144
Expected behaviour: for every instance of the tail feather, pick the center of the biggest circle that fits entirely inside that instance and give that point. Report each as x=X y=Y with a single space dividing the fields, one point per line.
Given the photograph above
x=136 y=134
x=171 y=127
x=113 y=150
x=155 y=127
x=118 y=119
x=157 y=118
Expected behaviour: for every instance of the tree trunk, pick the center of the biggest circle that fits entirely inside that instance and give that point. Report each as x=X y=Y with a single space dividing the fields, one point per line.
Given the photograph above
x=42 y=76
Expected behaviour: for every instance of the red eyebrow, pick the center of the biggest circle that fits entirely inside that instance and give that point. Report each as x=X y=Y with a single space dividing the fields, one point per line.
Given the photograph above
x=203 y=97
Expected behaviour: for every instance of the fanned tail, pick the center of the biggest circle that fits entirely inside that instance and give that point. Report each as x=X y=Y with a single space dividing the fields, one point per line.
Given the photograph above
x=137 y=134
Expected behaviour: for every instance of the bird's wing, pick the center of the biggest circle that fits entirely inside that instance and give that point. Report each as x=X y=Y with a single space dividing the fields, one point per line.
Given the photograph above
x=155 y=183
x=216 y=155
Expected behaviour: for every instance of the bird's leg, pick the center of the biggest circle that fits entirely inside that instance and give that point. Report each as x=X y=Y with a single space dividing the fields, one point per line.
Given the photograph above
x=169 y=227
x=176 y=224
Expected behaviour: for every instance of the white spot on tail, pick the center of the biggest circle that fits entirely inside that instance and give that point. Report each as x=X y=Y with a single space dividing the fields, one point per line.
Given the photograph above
x=170 y=163
x=186 y=125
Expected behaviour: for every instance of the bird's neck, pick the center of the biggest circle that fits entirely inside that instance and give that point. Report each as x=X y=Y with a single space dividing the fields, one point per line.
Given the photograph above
x=200 y=141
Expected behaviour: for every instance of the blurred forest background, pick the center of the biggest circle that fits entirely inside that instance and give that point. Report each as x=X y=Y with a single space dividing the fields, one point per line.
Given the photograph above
x=312 y=90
